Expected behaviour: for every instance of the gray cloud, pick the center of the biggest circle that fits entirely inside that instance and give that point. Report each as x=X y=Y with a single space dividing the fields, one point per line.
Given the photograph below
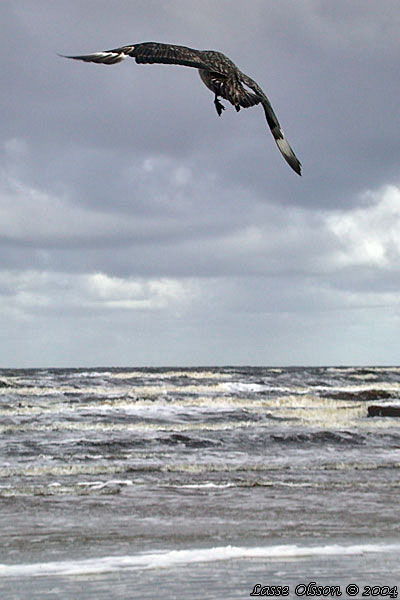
x=174 y=236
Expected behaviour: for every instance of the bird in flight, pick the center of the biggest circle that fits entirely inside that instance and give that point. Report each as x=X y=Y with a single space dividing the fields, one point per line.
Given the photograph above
x=217 y=72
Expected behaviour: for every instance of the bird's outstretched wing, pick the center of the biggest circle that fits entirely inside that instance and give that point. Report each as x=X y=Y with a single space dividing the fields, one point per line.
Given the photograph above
x=149 y=52
x=279 y=137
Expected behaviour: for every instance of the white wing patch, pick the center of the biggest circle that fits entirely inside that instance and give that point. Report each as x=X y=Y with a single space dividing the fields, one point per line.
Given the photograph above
x=106 y=58
x=284 y=147
x=288 y=153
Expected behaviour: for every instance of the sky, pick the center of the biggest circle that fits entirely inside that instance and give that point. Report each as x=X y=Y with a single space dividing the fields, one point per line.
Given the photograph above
x=138 y=228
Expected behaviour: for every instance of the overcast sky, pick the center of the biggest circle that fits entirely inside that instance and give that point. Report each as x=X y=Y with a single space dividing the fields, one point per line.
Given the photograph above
x=139 y=228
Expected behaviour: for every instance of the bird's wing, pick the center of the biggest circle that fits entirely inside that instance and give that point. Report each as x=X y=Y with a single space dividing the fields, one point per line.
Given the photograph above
x=149 y=52
x=247 y=98
x=279 y=137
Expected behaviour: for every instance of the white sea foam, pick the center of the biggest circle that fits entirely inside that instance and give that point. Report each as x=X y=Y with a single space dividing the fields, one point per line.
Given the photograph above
x=207 y=485
x=175 y=558
x=243 y=387
x=170 y=374
x=43 y=391
x=98 y=485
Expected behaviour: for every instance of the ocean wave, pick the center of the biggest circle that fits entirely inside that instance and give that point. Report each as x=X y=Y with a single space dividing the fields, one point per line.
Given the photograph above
x=239 y=387
x=320 y=437
x=171 y=374
x=178 y=558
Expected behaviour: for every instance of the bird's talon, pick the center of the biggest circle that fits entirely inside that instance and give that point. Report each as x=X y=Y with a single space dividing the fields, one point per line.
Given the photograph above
x=219 y=106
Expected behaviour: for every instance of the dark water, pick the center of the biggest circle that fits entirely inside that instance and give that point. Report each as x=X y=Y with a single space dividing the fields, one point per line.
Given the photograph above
x=197 y=483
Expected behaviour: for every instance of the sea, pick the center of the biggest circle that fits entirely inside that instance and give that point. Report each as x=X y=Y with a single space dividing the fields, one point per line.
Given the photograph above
x=198 y=483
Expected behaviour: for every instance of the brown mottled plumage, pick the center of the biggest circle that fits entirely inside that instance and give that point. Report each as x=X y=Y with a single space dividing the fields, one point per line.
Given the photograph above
x=217 y=72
